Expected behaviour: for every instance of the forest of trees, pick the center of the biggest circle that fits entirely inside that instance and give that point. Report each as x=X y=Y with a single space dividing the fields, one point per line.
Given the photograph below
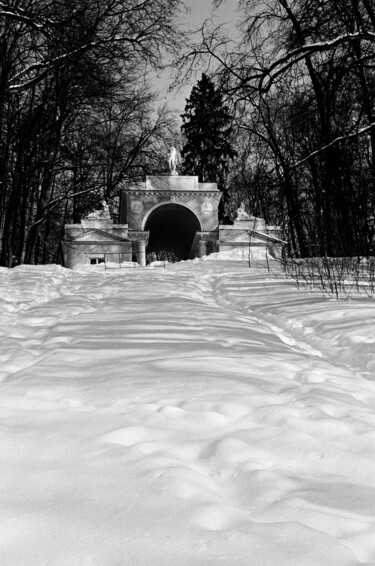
x=301 y=86
x=76 y=115
x=78 y=118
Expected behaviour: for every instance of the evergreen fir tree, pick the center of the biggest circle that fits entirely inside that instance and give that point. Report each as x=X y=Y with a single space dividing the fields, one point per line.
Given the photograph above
x=206 y=129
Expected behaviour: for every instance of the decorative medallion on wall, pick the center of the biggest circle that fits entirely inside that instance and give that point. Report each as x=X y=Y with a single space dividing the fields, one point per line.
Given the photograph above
x=137 y=206
x=207 y=207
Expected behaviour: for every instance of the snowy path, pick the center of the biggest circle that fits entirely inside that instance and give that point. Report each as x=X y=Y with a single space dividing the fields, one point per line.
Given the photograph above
x=206 y=414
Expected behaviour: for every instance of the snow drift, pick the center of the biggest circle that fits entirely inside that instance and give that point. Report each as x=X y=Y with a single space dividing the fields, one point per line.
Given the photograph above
x=204 y=414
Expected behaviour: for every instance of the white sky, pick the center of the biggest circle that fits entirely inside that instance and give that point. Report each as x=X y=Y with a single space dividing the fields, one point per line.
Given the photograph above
x=198 y=12
x=203 y=9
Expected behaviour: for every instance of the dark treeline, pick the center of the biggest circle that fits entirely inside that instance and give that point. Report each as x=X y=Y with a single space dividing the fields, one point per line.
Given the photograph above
x=207 y=138
x=301 y=85
x=76 y=116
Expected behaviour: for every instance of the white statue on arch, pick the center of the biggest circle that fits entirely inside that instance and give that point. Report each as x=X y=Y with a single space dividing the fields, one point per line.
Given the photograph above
x=242 y=214
x=174 y=159
x=102 y=214
x=105 y=210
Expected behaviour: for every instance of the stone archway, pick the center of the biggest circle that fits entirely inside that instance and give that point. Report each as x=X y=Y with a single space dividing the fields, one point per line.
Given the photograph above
x=172 y=229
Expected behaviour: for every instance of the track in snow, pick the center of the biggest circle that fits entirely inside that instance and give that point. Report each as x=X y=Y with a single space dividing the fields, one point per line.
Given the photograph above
x=174 y=417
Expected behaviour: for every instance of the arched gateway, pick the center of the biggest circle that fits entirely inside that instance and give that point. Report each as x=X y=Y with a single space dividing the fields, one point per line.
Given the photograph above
x=172 y=229
x=173 y=213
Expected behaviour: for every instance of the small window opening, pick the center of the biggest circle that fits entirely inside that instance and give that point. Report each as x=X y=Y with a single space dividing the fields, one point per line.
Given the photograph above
x=96 y=260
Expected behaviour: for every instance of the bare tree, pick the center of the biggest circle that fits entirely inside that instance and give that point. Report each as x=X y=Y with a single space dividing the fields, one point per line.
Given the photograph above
x=68 y=66
x=302 y=84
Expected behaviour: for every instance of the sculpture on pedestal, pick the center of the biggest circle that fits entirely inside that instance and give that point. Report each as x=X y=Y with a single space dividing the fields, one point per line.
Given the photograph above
x=242 y=214
x=173 y=160
x=102 y=214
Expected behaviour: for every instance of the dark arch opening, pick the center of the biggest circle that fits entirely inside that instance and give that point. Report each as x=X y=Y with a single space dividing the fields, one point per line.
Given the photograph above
x=172 y=230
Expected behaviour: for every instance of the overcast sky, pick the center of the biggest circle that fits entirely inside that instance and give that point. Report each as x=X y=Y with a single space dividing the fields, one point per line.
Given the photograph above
x=199 y=11
x=202 y=9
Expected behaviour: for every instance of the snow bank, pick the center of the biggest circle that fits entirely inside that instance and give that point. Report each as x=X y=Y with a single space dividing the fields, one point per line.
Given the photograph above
x=203 y=414
x=239 y=254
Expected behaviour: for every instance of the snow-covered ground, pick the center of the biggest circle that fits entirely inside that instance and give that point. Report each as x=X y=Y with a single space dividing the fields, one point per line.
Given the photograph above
x=200 y=415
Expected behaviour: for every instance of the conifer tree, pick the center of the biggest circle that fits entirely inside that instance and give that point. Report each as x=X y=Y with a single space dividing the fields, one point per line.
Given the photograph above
x=206 y=130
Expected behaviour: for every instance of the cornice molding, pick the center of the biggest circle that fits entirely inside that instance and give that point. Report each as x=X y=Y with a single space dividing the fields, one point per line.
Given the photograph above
x=213 y=194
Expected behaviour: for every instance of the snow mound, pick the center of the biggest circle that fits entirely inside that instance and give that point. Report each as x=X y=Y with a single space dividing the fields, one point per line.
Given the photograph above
x=207 y=413
x=239 y=254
